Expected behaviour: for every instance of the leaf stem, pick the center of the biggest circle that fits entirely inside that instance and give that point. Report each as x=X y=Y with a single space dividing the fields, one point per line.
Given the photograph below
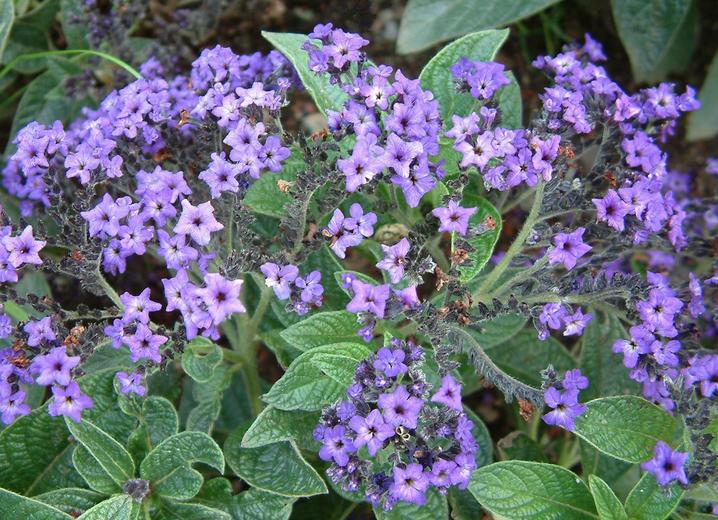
x=68 y=52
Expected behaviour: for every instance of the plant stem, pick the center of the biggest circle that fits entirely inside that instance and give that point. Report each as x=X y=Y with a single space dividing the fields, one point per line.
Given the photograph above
x=109 y=290
x=584 y=299
x=519 y=277
x=517 y=244
x=69 y=52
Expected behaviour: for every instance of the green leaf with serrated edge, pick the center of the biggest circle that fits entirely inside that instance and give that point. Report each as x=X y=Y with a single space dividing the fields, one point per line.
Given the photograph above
x=519 y=446
x=255 y=504
x=168 y=467
x=703 y=124
x=20 y=507
x=325 y=95
x=109 y=454
x=437 y=77
x=200 y=358
x=625 y=427
x=158 y=421
x=323 y=328
x=650 y=501
x=532 y=490
x=274 y=425
x=35 y=453
x=621 y=476
x=657 y=34
x=277 y=468
x=92 y=473
x=304 y=387
x=524 y=356
x=604 y=369
x=607 y=504
x=482 y=245
x=325 y=261
x=116 y=508
x=428 y=22
x=171 y=510
x=436 y=508
x=7 y=16
x=73 y=501
x=265 y=197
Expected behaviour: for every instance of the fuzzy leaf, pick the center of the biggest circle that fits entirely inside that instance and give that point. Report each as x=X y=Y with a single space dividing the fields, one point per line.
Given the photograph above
x=200 y=358
x=255 y=504
x=116 y=508
x=304 y=387
x=277 y=468
x=109 y=454
x=498 y=330
x=607 y=503
x=482 y=244
x=436 y=508
x=175 y=510
x=323 y=328
x=428 y=22
x=169 y=466
x=73 y=501
x=532 y=490
x=703 y=124
x=274 y=425
x=519 y=446
x=20 y=507
x=325 y=95
x=436 y=75
x=625 y=427
x=265 y=197
x=7 y=17
x=650 y=501
x=158 y=421
x=658 y=35
x=92 y=473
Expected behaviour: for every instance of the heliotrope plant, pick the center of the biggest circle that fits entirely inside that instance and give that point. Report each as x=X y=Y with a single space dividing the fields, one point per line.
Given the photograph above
x=365 y=258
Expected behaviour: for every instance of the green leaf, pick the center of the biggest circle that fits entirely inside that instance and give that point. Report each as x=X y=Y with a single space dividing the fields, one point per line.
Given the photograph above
x=7 y=16
x=519 y=446
x=178 y=510
x=620 y=475
x=20 y=507
x=274 y=425
x=73 y=23
x=25 y=39
x=463 y=505
x=325 y=95
x=427 y=22
x=35 y=453
x=92 y=473
x=625 y=427
x=255 y=504
x=485 y=453
x=658 y=35
x=107 y=452
x=277 y=468
x=703 y=124
x=607 y=503
x=265 y=197
x=482 y=245
x=339 y=368
x=650 y=501
x=200 y=358
x=325 y=261
x=168 y=467
x=73 y=501
x=604 y=369
x=436 y=75
x=305 y=387
x=115 y=508
x=524 y=356
x=323 y=328
x=436 y=508
x=532 y=490
x=158 y=421
x=498 y=330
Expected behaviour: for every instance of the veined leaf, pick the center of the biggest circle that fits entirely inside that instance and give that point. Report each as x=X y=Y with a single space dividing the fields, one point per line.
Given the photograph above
x=650 y=501
x=323 y=328
x=119 y=507
x=274 y=425
x=607 y=503
x=18 y=506
x=482 y=245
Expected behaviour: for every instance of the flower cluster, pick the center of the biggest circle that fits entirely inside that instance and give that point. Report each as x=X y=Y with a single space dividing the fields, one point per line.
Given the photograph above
x=392 y=415
x=562 y=398
x=480 y=78
x=346 y=232
x=303 y=292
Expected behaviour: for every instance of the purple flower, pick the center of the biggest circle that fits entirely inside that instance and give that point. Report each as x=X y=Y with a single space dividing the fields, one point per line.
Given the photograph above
x=667 y=465
x=369 y=298
x=410 y=484
x=23 y=249
x=453 y=218
x=310 y=287
x=341 y=236
x=442 y=472
x=612 y=210
x=395 y=259
x=12 y=405
x=54 y=367
x=553 y=315
x=221 y=296
x=565 y=408
x=400 y=408
x=574 y=380
x=399 y=154
x=391 y=362
x=39 y=331
x=131 y=383
x=449 y=393
x=198 y=222
x=658 y=313
x=138 y=307
x=371 y=431
x=279 y=278
x=360 y=221
x=69 y=401
x=336 y=445
x=576 y=322
x=568 y=248
x=705 y=371
x=144 y=344
x=220 y=175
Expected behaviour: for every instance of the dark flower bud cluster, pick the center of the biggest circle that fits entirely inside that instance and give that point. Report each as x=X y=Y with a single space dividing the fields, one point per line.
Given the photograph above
x=393 y=438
